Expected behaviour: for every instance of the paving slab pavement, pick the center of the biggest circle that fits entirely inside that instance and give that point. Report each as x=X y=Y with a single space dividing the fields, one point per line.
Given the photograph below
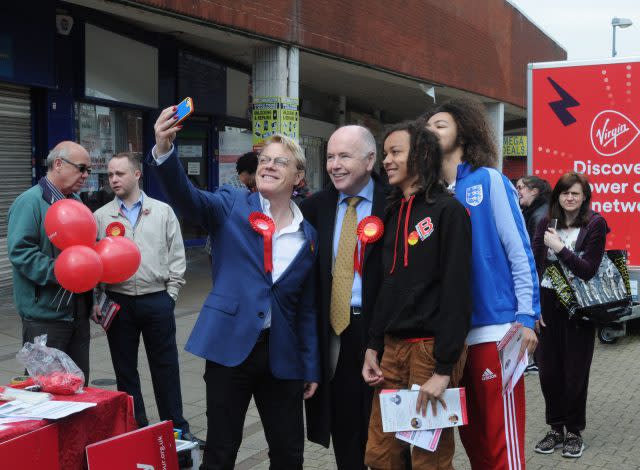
x=612 y=437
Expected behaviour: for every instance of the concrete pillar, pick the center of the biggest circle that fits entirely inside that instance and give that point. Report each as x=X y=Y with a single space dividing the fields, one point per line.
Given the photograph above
x=275 y=71
x=496 y=118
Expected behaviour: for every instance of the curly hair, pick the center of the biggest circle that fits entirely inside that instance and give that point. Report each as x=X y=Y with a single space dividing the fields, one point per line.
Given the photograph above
x=247 y=162
x=474 y=133
x=564 y=183
x=424 y=160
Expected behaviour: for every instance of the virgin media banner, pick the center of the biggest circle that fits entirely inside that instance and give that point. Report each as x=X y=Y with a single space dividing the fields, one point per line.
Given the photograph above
x=586 y=118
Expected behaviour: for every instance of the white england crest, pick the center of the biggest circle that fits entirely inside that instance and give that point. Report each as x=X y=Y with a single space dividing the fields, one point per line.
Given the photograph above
x=474 y=195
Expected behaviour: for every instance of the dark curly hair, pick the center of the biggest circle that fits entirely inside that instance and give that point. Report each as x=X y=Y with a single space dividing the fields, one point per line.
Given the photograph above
x=247 y=162
x=564 y=183
x=474 y=133
x=425 y=160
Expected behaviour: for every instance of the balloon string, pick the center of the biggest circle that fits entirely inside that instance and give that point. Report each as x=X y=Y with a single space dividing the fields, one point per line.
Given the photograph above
x=56 y=296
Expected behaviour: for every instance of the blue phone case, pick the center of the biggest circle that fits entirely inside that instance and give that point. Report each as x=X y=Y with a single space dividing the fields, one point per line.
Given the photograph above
x=184 y=109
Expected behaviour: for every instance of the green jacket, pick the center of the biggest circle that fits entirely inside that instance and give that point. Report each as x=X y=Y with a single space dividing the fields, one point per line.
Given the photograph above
x=32 y=256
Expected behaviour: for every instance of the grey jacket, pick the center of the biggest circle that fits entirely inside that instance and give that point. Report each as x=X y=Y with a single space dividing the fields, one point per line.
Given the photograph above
x=157 y=234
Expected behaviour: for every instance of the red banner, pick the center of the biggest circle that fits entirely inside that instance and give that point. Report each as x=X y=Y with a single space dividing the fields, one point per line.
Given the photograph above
x=586 y=118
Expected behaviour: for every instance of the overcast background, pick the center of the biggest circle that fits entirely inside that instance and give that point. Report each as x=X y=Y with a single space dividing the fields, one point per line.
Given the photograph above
x=583 y=27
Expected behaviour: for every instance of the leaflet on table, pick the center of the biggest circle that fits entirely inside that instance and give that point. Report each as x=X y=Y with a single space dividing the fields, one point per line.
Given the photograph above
x=398 y=409
x=47 y=410
x=513 y=363
x=108 y=310
x=427 y=439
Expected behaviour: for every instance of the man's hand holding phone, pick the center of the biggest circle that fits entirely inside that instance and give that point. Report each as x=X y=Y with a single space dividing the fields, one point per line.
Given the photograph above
x=169 y=123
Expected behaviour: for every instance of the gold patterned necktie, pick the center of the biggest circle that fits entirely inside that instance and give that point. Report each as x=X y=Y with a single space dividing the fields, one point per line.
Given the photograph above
x=342 y=282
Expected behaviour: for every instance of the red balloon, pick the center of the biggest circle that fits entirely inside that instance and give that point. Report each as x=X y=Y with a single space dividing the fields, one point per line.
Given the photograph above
x=78 y=268
x=120 y=259
x=68 y=223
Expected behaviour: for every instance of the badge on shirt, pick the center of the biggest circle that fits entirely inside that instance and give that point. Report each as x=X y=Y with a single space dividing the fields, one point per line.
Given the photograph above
x=473 y=195
x=115 y=229
x=369 y=230
x=266 y=227
x=424 y=228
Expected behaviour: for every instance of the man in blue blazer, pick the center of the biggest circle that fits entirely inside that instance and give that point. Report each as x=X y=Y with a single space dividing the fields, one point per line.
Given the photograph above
x=257 y=327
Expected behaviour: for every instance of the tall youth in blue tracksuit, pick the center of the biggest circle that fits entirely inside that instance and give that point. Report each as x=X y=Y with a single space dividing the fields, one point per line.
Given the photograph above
x=504 y=282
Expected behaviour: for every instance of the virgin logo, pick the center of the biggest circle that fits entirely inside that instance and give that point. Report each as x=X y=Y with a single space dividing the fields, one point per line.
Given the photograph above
x=612 y=132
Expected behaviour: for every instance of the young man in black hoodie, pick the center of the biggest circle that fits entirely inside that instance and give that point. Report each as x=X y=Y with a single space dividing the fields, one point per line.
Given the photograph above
x=423 y=312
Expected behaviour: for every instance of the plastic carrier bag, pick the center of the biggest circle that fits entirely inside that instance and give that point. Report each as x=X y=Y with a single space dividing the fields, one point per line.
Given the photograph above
x=51 y=368
x=602 y=299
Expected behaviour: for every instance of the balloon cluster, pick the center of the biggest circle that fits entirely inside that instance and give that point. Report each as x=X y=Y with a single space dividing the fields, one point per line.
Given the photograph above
x=83 y=263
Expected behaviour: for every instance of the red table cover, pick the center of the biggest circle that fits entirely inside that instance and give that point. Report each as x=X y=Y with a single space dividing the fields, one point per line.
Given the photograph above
x=112 y=416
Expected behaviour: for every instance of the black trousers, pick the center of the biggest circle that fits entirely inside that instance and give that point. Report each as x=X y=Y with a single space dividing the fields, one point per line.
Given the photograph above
x=153 y=316
x=71 y=337
x=350 y=400
x=564 y=355
x=279 y=402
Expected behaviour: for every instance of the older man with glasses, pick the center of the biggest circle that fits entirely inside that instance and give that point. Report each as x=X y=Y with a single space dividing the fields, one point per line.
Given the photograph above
x=32 y=255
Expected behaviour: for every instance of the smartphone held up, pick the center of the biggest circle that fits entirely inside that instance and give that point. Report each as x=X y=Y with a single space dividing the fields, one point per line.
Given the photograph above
x=184 y=110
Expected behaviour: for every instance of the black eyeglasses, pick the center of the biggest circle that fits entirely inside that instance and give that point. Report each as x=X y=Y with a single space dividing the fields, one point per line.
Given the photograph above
x=81 y=168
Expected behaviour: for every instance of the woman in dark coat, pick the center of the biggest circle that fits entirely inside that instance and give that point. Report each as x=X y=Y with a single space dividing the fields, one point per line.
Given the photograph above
x=533 y=195
x=566 y=344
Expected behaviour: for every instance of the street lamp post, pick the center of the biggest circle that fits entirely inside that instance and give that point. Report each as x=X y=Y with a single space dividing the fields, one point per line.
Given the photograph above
x=620 y=23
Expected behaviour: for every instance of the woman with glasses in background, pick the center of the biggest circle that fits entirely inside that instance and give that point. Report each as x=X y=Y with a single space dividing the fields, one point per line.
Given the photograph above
x=575 y=235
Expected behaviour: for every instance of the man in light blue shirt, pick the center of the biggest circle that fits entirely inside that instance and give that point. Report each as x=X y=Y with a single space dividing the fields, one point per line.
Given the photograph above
x=342 y=404
x=133 y=212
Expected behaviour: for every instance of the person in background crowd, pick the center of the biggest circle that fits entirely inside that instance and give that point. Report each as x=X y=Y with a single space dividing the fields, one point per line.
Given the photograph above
x=36 y=291
x=504 y=282
x=246 y=167
x=301 y=192
x=345 y=298
x=147 y=300
x=423 y=312
x=258 y=326
x=533 y=193
x=566 y=345
x=534 y=201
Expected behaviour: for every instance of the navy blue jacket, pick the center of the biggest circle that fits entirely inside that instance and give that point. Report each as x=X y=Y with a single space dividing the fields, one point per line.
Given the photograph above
x=233 y=313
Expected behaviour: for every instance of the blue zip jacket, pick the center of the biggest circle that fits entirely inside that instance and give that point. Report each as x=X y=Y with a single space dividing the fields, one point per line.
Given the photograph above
x=504 y=278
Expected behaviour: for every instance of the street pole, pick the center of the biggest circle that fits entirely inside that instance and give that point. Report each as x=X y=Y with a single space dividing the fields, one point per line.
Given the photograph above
x=613 y=49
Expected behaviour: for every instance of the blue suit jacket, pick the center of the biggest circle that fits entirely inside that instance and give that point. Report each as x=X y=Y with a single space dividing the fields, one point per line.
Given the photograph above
x=233 y=314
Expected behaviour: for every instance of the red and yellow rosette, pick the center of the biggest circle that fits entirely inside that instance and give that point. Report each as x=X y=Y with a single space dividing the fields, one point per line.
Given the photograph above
x=115 y=229
x=265 y=226
x=370 y=230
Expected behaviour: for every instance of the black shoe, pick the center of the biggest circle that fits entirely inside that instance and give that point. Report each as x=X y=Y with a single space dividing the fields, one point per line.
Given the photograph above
x=187 y=436
x=552 y=441
x=531 y=369
x=573 y=446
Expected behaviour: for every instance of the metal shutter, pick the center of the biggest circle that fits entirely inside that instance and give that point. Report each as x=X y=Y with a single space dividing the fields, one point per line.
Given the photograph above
x=15 y=165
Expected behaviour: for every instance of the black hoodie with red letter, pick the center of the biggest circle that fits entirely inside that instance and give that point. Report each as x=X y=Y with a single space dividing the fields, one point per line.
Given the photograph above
x=427 y=285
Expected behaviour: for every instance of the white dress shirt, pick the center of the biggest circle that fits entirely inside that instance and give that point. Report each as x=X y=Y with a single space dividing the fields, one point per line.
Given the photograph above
x=285 y=243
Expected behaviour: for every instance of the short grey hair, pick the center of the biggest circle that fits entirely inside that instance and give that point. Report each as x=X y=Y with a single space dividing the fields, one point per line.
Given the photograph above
x=368 y=141
x=59 y=151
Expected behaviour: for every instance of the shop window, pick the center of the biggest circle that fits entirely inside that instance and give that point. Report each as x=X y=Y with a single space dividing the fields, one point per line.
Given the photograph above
x=105 y=131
